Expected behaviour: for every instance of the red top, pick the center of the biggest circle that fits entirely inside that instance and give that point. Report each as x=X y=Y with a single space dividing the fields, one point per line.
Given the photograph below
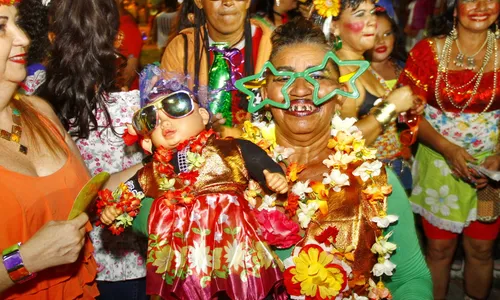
x=29 y=203
x=131 y=44
x=421 y=71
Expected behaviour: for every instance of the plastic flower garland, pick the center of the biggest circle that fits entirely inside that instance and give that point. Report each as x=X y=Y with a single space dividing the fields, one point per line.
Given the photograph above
x=322 y=270
x=177 y=188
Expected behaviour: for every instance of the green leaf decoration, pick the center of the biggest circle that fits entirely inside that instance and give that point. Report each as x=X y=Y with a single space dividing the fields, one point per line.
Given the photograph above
x=220 y=274
x=179 y=234
x=168 y=279
x=196 y=230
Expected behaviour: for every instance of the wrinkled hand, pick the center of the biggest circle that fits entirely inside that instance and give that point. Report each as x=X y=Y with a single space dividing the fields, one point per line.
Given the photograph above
x=110 y=214
x=276 y=182
x=56 y=243
x=457 y=158
x=403 y=98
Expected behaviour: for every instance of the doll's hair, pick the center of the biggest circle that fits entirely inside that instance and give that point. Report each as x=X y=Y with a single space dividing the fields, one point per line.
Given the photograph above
x=155 y=82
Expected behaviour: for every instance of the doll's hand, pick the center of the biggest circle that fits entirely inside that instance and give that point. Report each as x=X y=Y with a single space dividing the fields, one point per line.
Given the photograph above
x=110 y=214
x=276 y=182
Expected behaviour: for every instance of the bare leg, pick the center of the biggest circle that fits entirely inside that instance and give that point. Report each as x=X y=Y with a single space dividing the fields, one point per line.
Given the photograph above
x=478 y=272
x=439 y=257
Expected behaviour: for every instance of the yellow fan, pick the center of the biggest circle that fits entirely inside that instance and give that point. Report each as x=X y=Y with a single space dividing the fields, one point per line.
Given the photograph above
x=87 y=194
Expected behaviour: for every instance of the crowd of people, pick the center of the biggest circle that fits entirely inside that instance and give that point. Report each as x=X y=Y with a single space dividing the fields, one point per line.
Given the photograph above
x=355 y=154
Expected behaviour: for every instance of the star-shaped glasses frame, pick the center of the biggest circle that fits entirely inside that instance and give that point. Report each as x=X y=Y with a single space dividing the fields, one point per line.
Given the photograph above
x=255 y=81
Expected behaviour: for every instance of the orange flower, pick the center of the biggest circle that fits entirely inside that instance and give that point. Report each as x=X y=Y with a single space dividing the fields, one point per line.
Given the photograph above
x=293 y=170
x=341 y=142
x=292 y=204
x=377 y=193
x=320 y=190
x=358 y=279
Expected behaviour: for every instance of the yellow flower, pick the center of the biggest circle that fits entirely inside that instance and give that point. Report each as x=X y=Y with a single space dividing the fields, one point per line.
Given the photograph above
x=342 y=142
x=293 y=170
x=163 y=259
x=317 y=274
x=327 y=8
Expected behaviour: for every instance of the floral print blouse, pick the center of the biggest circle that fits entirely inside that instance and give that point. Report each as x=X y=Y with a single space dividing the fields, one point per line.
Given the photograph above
x=118 y=257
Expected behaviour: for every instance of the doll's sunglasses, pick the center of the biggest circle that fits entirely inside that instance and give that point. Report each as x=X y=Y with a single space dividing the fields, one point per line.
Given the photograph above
x=175 y=105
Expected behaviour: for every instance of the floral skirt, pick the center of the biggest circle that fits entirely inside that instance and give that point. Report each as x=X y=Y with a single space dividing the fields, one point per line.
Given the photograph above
x=208 y=248
x=443 y=200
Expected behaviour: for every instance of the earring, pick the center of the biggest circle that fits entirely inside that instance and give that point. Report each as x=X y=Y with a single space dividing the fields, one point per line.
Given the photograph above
x=337 y=43
x=497 y=31
x=454 y=32
x=278 y=3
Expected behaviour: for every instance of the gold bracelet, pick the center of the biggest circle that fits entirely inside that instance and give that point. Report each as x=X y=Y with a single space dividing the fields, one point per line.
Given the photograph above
x=384 y=113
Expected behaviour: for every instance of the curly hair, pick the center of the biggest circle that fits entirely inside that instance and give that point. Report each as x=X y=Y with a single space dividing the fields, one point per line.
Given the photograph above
x=82 y=67
x=297 y=31
x=33 y=18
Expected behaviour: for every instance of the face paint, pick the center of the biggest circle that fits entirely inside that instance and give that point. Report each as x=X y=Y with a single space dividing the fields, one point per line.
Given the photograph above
x=355 y=27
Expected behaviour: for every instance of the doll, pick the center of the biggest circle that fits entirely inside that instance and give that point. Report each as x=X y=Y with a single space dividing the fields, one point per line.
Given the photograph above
x=204 y=239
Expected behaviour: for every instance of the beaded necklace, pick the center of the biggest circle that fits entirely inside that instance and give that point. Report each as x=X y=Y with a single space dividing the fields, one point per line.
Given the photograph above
x=16 y=132
x=443 y=72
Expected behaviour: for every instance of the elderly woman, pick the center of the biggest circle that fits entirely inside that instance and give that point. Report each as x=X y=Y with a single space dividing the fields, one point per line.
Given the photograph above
x=334 y=183
x=41 y=173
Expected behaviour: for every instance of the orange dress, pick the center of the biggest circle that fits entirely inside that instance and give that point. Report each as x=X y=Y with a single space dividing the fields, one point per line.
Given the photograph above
x=30 y=202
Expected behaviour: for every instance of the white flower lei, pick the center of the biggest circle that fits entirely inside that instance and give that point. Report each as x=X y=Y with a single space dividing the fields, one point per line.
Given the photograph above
x=349 y=145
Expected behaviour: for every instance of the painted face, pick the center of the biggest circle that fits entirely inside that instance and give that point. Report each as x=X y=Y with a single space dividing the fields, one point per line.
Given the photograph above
x=477 y=15
x=225 y=16
x=287 y=5
x=13 y=50
x=357 y=27
x=303 y=117
x=171 y=132
x=384 y=41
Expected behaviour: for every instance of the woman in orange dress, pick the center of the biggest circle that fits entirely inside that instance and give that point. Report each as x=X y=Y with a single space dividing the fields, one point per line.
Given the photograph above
x=44 y=256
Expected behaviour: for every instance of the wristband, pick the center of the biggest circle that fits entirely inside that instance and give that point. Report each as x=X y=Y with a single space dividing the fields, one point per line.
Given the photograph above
x=384 y=113
x=14 y=265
